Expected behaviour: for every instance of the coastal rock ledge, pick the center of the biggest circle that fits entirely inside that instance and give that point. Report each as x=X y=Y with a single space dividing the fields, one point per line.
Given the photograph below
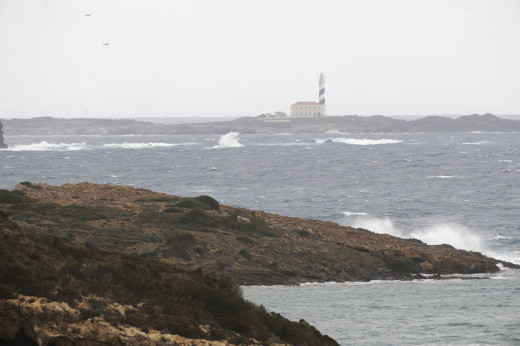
x=249 y=247
x=88 y=264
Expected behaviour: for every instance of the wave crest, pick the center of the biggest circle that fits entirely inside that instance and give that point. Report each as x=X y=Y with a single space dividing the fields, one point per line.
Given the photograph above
x=229 y=140
x=44 y=145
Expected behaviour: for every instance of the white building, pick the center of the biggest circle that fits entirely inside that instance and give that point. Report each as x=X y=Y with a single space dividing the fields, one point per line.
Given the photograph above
x=308 y=109
x=311 y=108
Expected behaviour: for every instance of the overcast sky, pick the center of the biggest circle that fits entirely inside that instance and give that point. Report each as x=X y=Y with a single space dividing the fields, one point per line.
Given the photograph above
x=235 y=58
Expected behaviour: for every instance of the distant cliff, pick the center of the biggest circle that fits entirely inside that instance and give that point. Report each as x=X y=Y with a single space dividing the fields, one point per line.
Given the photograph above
x=252 y=125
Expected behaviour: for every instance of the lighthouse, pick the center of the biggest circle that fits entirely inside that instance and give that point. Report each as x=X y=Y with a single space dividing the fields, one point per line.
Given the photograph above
x=322 y=89
x=311 y=108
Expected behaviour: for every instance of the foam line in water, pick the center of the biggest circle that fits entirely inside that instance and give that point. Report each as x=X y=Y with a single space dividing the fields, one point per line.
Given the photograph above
x=336 y=132
x=229 y=140
x=355 y=141
x=44 y=145
x=127 y=145
x=476 y=143
x=349 y=213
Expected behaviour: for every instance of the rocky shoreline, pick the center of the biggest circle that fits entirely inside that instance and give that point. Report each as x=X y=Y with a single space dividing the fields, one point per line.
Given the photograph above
x=90 y=264
x=249 y=247
x=49 y=126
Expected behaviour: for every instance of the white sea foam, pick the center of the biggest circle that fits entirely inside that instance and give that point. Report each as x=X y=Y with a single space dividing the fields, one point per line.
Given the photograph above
x=43 y=145
x=453 y=234
x=513 y=257
x=456 y=235
x=476 y=143
x=365 y=141
x=377 y=225
x=127 y=145
x=336 y=132
x=348 y=213
x=229 y=140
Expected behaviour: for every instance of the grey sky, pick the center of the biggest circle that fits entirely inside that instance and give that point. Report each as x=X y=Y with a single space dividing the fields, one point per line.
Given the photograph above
x=247 y=57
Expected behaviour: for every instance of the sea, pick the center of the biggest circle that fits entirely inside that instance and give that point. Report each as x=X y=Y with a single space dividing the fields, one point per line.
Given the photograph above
x=461 y=189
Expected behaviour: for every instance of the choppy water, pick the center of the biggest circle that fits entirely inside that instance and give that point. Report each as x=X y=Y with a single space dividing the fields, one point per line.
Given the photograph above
x=461 y=189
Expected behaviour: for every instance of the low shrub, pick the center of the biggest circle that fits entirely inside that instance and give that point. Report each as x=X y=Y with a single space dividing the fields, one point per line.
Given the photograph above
x=202 y=202
x=13 y=197
x=192 y=203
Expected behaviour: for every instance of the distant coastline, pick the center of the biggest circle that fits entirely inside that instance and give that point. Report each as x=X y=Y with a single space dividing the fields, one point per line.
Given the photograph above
x=257 y=125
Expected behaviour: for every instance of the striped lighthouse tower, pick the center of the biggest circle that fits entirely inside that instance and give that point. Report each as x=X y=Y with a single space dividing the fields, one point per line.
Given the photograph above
x=322 y=89
x=323 y=110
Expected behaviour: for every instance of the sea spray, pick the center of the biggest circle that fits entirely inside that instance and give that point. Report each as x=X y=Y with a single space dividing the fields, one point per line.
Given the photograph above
x=453 y=234
x=456 y=235
x=229 y=140
x=377 y=225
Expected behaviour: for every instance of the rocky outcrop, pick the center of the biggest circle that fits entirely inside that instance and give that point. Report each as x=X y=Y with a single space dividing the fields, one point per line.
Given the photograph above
x=250 y=247
x=30 y=320
x=2 y=144
x=54 y=292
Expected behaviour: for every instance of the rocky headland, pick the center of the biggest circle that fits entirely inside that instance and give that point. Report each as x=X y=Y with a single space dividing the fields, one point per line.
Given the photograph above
x=48 y=126
x=95 y=264
x=54 y=291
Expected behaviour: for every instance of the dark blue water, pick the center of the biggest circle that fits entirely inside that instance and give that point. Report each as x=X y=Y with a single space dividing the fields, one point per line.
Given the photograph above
x=461 y=189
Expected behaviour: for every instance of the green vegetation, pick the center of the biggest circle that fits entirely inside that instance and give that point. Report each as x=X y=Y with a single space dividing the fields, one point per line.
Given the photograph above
x=13 y=197
x=155 y=294
x=202 y=202
x=179 y=244
x=112 y=228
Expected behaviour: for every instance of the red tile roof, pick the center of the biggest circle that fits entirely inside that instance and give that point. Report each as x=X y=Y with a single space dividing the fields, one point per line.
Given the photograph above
x=306 y=103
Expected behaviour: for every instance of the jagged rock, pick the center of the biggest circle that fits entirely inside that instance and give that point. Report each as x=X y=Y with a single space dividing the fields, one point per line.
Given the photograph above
x=33 y=319
x=2 y=144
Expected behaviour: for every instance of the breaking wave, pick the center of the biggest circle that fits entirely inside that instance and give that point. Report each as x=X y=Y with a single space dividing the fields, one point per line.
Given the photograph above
x=229 y=140
x=453 y=234
x=456 y=235
x=349 y=213
x=377 y=225
x=43 y=145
